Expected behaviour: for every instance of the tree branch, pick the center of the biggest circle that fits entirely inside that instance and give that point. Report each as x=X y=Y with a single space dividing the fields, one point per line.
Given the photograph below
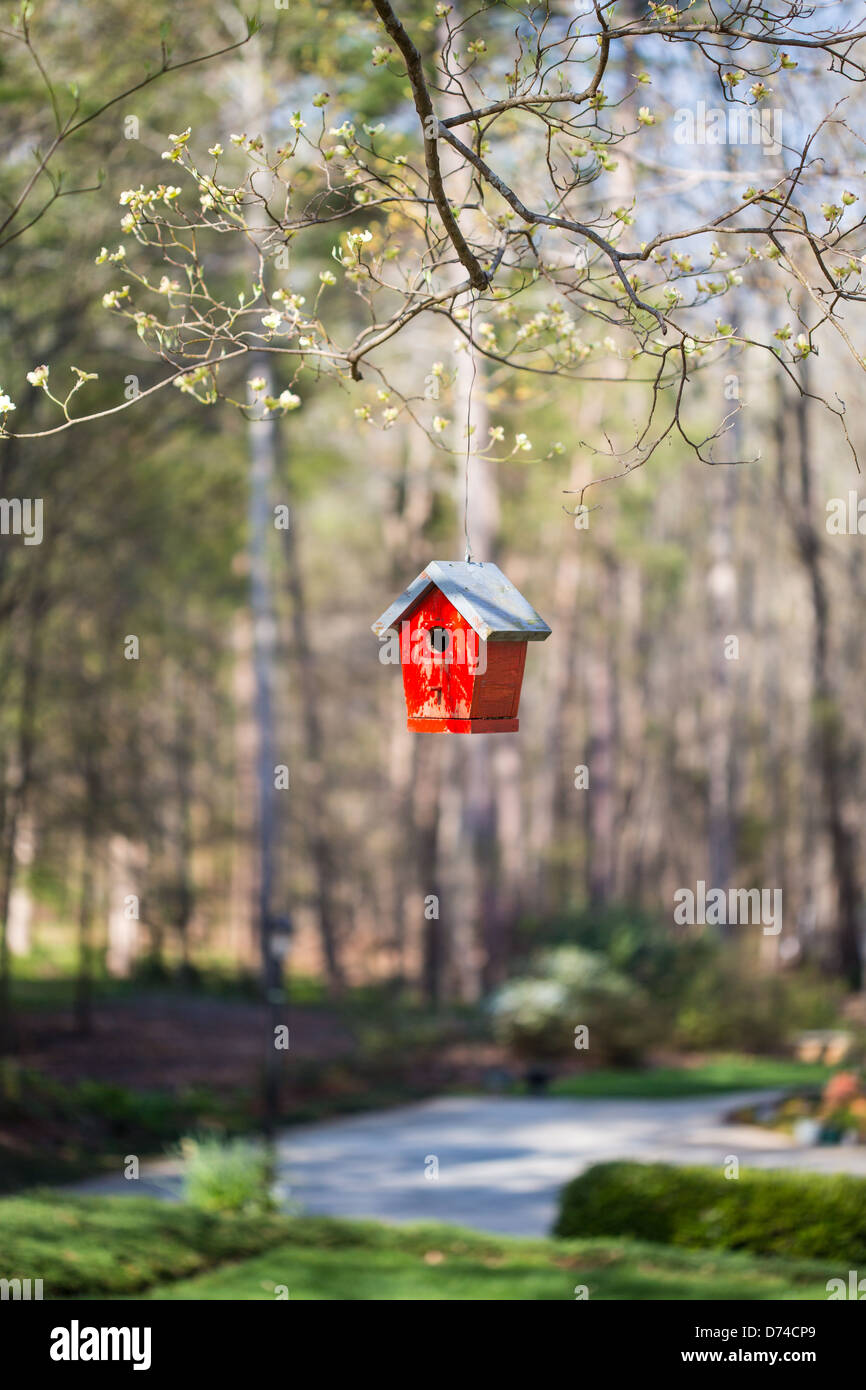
x=429 y=124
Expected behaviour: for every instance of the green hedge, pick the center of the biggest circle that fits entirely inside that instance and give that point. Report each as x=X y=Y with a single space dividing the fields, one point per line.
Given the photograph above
x=804 y=1215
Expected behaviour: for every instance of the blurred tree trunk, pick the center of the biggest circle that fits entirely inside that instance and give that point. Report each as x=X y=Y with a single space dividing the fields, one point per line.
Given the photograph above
x=466 y=843
x=507 y=877
x=601 y=651
x=601 y=679
x=476 y=912
x=21 y=902
x=263 y=455
x=16 y=799
x=83 y=1006
x=262 y=442
x=827 y=718
x=552 y=810
x=254 y=110
x=771 y=491
x=431 y=865
x=316 y=819
x=243 y=927
x=459 y=962
x=125 y=860
x=184 y=759
x=722 y=598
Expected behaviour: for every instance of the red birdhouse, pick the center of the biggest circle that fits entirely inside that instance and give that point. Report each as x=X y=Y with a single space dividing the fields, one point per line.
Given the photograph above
x=460 y=633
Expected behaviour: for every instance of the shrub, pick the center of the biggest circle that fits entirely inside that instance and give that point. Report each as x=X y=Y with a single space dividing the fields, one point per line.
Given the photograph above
x=637 y=945
x=705 y=994
x=803 y=1215
x=232 y=1175
x=536 y=1016
x=729 y=1004
x=531 y=1018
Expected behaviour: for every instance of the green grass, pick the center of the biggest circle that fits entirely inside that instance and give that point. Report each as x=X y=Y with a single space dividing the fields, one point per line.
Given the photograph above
x=120 y=1245
x=339 y=1260
x=127 y=1247
x=720 y=1074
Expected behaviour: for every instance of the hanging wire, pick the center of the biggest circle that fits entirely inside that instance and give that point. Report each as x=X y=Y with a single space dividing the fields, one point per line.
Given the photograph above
x=472 y=302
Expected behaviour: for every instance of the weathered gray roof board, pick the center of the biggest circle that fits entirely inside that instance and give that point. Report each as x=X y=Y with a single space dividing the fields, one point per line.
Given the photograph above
x=480 y=592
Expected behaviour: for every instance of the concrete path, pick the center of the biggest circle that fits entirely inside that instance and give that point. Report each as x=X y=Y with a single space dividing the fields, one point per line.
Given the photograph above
x=501 y=1161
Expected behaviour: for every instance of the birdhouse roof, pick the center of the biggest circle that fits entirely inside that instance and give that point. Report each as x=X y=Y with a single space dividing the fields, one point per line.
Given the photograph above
x=481 y=594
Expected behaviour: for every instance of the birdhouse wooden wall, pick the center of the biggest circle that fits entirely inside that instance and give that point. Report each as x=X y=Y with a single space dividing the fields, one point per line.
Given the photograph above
x=455 y=682
x=463 y=629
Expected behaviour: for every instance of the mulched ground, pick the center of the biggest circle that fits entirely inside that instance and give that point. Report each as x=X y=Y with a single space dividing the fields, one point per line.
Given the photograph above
x=161 y=1042
x=158 y=1045
x=167 y=1042
x=163 y=1046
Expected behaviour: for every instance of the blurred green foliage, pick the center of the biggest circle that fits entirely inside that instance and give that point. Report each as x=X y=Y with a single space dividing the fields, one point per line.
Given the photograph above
x=701 y=994
x=727 y=1004
x=572 y=987
x=227 y=1175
